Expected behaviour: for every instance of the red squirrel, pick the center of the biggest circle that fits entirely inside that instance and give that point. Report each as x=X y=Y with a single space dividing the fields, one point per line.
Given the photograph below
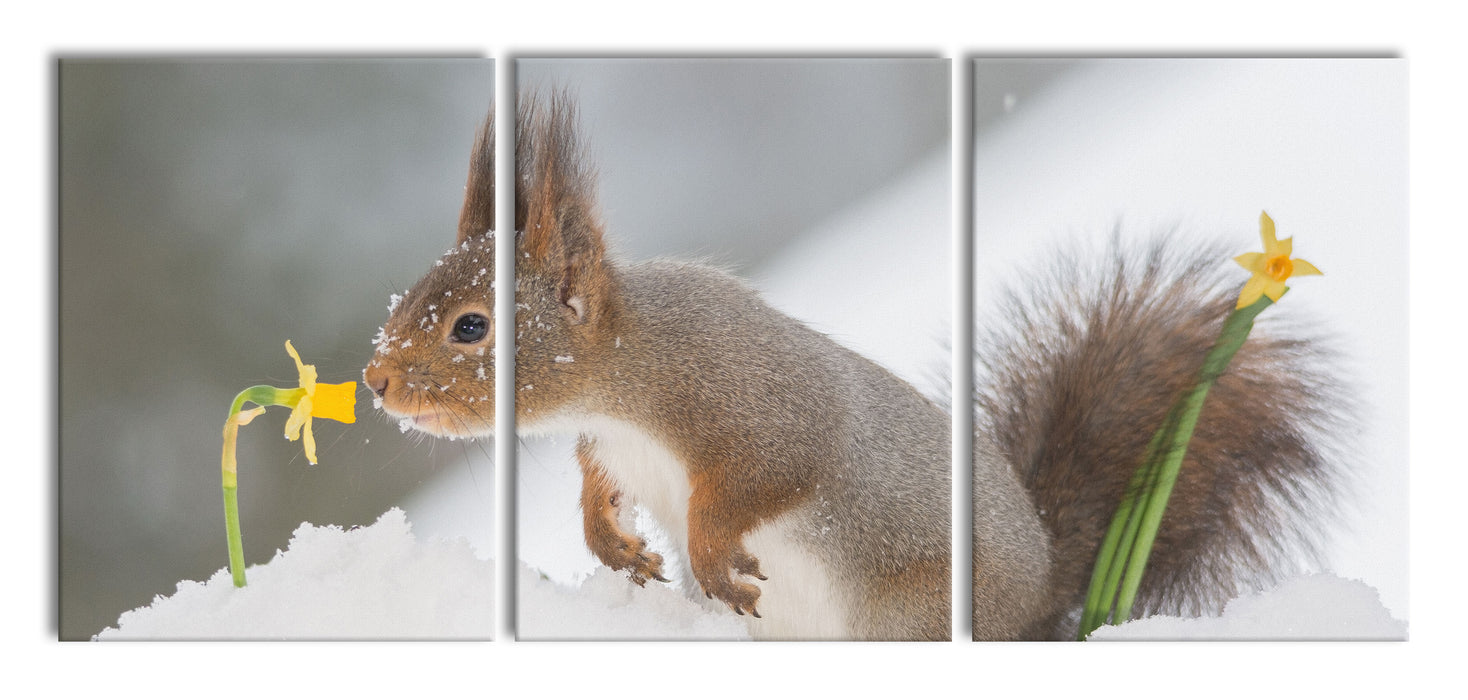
x=809 y=487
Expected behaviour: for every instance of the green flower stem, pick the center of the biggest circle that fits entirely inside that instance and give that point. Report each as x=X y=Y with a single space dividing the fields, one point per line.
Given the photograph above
x=1133 y=529
x=261 y=395
x=1235 y=331
x=232 y=532
x=1120 y=536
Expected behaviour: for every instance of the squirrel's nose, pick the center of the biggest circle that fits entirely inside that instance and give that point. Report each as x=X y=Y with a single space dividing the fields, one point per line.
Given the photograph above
x=376 y=379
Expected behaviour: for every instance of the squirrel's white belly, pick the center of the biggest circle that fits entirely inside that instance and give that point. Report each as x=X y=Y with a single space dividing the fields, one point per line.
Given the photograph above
x=799 y=599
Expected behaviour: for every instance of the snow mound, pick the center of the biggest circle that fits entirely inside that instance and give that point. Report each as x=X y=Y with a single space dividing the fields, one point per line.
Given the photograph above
x=372 y=582
x=608 y=606
x=379 y=582
x=1317 y=607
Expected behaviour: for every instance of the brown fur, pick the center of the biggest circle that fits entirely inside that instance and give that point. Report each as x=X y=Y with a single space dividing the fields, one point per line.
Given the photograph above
x=477 y=215
x=601 y=508
x=1083 y=377
x=895 y=603
x=713 y=382
x=735 y=487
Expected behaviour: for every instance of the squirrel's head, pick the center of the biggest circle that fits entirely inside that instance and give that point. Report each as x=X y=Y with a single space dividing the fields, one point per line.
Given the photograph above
x=434 y=365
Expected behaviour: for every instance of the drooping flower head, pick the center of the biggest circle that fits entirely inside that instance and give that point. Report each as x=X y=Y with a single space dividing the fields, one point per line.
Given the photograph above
x=332 y=401
x=1272 y=267
x=309 y=400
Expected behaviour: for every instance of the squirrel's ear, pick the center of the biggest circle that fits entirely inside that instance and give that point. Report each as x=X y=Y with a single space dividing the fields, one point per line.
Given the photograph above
x=477 y=216
x=558 y=227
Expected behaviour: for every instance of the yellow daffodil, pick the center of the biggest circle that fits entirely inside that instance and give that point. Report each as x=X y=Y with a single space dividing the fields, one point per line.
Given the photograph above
x=1270 y=268
x=309 y=400
x=333 y=401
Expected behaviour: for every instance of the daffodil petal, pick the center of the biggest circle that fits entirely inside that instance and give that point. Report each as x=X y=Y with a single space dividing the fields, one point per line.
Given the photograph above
x=1266 y=231
x=1253 y=262
x=300 y=415
x=310 y=441
x=1274 y=289
x=1253 y=289
x=1285 y=247
x=244 y=417
x=291 y=350
x=1304 y=268
x=336 y=402
x=307 y=372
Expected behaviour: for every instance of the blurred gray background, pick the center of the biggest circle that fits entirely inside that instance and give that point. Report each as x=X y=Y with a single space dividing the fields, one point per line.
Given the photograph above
x=209 y=210
x=732 y=158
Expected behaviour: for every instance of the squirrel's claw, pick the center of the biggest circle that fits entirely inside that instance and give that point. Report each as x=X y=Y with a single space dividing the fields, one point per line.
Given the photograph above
x=629 y=553
x=646 y=565
x=745 y=563
x=716 y=576
x=738 y=596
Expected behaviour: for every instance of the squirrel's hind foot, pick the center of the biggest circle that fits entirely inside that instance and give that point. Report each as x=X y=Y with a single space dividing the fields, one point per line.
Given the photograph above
x=713 y=576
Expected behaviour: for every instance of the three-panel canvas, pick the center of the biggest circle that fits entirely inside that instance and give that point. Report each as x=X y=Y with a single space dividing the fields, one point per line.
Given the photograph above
x=733 y=348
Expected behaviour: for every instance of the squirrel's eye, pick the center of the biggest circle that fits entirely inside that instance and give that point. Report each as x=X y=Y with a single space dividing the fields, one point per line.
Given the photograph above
x=470 y=328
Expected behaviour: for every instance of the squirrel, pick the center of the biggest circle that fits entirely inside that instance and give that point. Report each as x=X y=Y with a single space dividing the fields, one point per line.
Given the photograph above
x=809 y=487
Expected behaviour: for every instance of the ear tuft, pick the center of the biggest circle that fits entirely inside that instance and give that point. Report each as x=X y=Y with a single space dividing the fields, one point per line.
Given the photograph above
x=477 y=215
x=556 y=225
x=555 y=207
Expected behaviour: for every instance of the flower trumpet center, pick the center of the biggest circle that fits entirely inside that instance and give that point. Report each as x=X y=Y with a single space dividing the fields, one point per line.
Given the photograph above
x=336 y=402
x=1279 y=267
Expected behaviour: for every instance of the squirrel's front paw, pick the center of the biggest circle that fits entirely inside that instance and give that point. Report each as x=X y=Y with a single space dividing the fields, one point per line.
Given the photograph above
x=630 y=554
x=717 y=583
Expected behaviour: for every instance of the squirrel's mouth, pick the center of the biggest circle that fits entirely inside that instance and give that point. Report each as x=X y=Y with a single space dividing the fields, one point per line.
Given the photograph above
x=437 y=423
x=427 y=421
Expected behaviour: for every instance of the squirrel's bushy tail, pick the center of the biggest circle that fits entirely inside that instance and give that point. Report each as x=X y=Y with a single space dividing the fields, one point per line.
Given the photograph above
x=1072 y=384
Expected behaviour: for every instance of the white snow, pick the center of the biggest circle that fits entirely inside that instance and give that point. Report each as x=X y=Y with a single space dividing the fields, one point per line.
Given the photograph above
x=382 y=582
x=1317 y=607
x=607 y=606
x=374 y=582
